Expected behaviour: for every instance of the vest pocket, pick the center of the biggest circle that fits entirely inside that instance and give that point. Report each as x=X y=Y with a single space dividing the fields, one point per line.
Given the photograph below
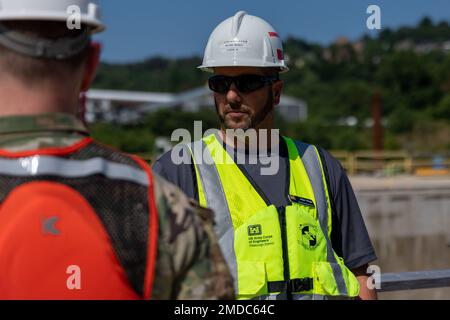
x=251 y=279
x=350 y=280
x=324 y=282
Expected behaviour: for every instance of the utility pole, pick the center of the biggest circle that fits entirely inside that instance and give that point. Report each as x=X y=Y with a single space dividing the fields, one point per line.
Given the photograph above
x=377 y=129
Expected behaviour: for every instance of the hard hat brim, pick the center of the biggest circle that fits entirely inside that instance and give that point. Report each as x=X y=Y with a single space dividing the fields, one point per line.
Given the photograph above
x=95 y=24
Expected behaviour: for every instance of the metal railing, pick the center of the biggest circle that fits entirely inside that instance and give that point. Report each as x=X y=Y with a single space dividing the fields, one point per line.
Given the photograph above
x=389 y=162
x=414 y=280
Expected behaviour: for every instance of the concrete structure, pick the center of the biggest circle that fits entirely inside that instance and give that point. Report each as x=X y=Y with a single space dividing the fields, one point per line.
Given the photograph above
x=408 y=219
x=129 y=106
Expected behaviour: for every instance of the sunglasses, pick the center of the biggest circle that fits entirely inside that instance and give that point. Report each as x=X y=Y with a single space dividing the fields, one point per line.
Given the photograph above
x=244 y=83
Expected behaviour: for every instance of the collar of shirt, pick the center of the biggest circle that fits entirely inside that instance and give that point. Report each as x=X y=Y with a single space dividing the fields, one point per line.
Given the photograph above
x=19 y=133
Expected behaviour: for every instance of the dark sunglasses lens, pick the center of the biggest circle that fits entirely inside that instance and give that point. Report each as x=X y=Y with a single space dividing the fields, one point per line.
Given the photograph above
x=244 y=83
x=248 y=83
x=218 y=84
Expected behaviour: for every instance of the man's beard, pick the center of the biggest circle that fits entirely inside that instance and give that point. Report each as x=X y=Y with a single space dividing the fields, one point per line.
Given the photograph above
x=255 y=120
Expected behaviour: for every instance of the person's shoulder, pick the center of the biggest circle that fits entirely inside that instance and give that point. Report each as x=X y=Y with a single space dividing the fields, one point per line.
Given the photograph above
x=332 y=167
x=176 y=167
x=174 y=159
x=326 y=157
x=169 y=192
x=165 y=157
x=332 y=163
x=171 y=197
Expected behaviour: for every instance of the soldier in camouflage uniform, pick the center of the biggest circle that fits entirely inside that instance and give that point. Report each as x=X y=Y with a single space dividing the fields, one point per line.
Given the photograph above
x=38 y=104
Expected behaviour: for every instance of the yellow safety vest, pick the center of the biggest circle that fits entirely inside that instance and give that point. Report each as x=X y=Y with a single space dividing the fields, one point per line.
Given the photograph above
x=273 y=252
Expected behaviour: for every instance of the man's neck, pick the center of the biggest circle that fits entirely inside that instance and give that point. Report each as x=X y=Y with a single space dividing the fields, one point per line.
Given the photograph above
x=17 y=99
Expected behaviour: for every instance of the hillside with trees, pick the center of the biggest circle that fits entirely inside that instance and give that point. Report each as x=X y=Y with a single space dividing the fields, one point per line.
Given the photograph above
x=408 y=67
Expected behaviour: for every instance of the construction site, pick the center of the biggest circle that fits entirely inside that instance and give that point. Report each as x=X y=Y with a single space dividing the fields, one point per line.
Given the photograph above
x=404 y=197
x=102 y=198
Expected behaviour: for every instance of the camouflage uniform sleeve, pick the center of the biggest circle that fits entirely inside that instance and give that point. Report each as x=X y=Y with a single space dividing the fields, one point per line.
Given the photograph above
x=190 y=264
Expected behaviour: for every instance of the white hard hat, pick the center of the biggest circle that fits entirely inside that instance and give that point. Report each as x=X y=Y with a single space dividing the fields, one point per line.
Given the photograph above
x=52 y=10
x=244 y=40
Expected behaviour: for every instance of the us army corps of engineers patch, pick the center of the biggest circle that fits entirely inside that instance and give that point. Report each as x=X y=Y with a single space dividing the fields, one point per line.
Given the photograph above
x=309 y=236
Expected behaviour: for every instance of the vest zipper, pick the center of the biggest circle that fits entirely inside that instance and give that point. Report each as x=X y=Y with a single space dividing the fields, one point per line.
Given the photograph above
x=286 y=272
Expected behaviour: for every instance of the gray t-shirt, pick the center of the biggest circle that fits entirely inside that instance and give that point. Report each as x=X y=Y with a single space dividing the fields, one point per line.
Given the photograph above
x=349 y=236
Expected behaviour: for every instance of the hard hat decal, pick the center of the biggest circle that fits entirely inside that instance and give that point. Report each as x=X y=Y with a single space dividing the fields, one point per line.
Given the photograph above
x=273 y=34
x=280 y=54
x=235 y=46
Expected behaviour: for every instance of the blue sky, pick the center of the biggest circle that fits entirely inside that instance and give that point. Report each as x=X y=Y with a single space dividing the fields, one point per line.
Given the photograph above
x=138 y=29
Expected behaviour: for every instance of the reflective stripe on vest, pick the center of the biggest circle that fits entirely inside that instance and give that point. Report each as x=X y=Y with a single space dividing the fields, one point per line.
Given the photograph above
x=239 y=226
x=210 y=180
x=67 y=168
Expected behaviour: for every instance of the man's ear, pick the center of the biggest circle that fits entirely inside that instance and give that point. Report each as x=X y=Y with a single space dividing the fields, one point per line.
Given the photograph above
x=277 y=88
x=91 y=65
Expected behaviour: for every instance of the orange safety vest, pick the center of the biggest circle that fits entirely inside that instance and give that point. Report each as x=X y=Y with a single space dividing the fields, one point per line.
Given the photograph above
x=76 y=223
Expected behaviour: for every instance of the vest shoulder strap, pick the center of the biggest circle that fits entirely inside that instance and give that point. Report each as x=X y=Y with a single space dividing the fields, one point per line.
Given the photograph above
x=313 y=163
x=311 y=160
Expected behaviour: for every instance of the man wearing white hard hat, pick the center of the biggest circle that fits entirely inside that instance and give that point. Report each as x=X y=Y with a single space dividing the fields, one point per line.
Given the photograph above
x=79 y=220
x=293 y=233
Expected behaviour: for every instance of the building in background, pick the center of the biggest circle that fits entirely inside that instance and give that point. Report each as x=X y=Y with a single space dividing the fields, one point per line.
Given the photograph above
x=127 y=107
